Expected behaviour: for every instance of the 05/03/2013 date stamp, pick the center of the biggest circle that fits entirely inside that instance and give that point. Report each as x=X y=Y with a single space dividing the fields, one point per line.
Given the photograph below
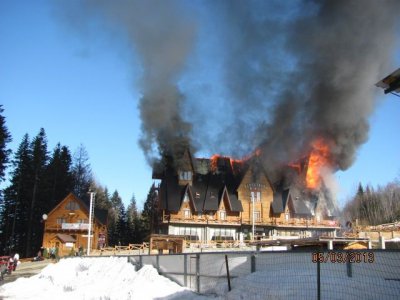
x=343 y=257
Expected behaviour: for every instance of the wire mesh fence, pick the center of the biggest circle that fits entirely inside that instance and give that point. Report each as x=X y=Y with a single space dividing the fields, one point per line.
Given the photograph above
x=355 y=274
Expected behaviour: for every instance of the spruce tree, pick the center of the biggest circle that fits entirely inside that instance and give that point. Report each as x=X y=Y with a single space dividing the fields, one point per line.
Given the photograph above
x=133 y=222
x=38 y=204
x=121 y=227
x=82 y=173
x=58 y=176
x=16 y=204
x=5 y=138
x=149 y=214
x=102 y=196
x=113 y=218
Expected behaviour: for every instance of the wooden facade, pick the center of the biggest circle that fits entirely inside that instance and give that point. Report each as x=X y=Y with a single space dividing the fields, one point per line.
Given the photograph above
x=67 y=225
x=222 y=199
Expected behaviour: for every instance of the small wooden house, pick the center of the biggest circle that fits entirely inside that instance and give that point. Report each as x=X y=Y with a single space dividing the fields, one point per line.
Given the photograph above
x=67 y=225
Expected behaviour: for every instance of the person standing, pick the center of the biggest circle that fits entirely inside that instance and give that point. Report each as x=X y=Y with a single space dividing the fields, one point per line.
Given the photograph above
x=15 y=261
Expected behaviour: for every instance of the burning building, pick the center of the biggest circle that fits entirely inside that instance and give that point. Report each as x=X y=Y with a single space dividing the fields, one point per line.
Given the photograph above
x=225 y=199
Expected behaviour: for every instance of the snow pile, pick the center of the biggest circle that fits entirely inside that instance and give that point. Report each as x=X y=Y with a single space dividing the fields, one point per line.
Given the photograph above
x=95 y=278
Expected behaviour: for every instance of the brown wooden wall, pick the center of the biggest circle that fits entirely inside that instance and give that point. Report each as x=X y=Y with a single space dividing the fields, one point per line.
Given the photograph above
x=52 y=228
x=261 y=184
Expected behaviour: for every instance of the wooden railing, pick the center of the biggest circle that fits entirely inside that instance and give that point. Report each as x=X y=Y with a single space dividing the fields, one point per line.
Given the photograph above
x=202 y=220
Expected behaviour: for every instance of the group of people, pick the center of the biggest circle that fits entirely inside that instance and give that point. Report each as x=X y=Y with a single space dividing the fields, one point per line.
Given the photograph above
x=43 y=253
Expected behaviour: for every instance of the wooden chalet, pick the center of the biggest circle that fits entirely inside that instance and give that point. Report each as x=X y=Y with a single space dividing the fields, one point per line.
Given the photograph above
x=67 y=226
x=221 y=198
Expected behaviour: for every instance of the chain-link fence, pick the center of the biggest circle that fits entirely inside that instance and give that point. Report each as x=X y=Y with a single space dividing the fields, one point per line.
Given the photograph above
x=355 y=274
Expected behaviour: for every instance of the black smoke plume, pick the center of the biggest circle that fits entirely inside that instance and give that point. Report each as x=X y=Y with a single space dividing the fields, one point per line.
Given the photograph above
x=162 y=37
x=293 y=71
x=298 y=71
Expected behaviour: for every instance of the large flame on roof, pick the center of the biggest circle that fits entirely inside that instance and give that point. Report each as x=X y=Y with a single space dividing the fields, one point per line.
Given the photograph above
x=234 y=162
x=318 y=160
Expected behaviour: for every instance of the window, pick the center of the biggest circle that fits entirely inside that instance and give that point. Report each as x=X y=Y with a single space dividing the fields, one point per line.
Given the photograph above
x=72 y=205
x=60 y=220
x=252 y=196
x=186 y=213
x=186 y=198
x=287 y=216
x=258 y=197
x=257 y=216
x=222 y=215
x=82 y=221
x=185 y=175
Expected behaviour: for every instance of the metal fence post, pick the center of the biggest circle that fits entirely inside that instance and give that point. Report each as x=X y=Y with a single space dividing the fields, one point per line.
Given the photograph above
x=253 y=263
x=318 y=280
x=349 y=269
x=198 y=272
x=185 y=270
x=158 y=263
x=227 y=272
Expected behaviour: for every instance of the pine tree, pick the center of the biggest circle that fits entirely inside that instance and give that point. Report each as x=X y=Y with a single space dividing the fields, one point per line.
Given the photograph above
x=134 y=228
x=82 y=173
x=58 y=176
x=38 y=204
x=102 y=196
x=15 y=207
x=114 y=216
x=149 y=214
x=121 y=227
x=5 y=138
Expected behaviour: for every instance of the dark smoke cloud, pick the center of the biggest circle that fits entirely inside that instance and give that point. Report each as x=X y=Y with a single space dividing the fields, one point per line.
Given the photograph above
x=292 y=71
x=162 y=37
x=334 y=50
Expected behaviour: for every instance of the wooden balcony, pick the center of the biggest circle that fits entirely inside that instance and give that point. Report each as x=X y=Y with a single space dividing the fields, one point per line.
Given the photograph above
x=292 y=222
x=201 y=220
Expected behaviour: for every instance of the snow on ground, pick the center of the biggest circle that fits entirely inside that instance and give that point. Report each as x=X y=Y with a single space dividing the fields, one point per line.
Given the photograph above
x=110 y=278
x=95 y=278
x=301 y=283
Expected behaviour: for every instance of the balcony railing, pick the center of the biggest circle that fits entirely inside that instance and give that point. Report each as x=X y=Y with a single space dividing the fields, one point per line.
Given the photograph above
x=201 y=220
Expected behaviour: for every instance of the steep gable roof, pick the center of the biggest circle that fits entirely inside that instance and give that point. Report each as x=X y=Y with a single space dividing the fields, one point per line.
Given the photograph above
x=303 y=203
x=99 y=214
x=187 y=191
x=170 y=193
x=279 y=201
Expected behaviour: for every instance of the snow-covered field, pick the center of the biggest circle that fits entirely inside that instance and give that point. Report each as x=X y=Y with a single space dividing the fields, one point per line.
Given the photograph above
x=95 y=278
x=115 y=278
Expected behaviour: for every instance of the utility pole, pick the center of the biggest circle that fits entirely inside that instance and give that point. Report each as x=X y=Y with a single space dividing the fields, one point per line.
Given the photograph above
x=91 y=210
x=252 y=201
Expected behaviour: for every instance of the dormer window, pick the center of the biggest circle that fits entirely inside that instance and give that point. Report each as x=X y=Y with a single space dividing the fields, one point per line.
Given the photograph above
x=186 y=213
x=185 y=175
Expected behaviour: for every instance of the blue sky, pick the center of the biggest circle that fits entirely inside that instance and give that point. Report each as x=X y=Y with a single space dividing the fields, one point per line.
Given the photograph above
x=80 y=89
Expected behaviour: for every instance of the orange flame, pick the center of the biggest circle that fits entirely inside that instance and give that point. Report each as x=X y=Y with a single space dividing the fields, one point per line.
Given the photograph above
x=235 y=163
x=319 y=158
x=214 y=162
